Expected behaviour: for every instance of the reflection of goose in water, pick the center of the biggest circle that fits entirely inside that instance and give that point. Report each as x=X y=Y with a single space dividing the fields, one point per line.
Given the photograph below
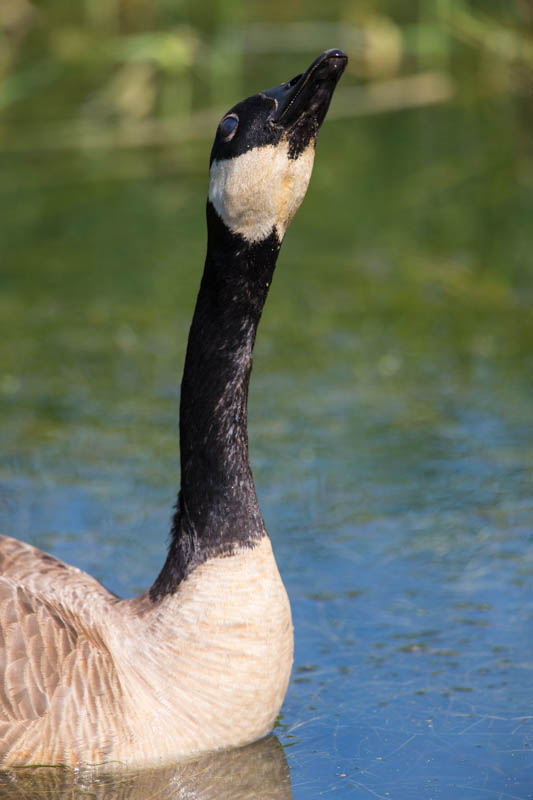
x=202 y=659
x=258 y=771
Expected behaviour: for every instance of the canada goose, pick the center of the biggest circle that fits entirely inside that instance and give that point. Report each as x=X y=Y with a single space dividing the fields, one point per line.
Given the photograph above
x=202 y=659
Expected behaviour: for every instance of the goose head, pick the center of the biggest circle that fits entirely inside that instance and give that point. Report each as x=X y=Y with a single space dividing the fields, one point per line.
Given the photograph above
x=263 y=153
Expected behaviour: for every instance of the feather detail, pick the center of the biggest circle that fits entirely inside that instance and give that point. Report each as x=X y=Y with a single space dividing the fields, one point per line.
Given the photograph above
x=87 y=678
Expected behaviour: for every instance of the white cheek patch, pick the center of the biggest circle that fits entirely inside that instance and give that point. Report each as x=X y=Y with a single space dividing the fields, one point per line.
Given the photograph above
x=260 y=190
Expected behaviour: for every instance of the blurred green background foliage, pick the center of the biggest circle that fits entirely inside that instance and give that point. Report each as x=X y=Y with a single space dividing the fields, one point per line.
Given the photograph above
x=85 y=81
x=414 y=244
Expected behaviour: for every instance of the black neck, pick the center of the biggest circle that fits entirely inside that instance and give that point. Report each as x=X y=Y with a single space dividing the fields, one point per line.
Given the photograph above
x=217 y=508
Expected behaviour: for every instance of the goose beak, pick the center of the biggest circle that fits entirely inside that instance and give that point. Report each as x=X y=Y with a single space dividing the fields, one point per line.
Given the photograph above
x=308 y=94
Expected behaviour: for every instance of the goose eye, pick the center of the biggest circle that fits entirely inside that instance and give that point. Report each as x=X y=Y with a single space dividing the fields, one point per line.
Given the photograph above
x=228 y=126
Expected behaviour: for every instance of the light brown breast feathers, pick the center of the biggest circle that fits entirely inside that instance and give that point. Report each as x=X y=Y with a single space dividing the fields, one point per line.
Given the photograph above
x=87 y=678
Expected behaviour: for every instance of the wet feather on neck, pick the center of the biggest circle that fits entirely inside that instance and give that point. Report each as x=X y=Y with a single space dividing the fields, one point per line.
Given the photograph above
x=217 y=511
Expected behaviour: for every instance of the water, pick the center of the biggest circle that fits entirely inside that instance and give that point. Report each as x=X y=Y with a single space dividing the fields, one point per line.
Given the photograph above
x=391 y=435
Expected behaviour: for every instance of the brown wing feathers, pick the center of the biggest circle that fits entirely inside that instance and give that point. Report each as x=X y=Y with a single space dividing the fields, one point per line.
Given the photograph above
x=57 y=680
